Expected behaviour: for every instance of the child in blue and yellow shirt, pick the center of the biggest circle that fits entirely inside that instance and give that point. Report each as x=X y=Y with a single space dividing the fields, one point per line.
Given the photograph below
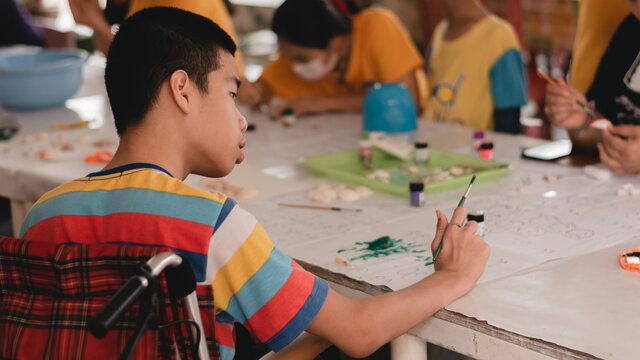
x=475 y=70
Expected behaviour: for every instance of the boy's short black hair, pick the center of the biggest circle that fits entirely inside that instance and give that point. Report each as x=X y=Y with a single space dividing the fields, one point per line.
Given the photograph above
x=149 y=47
x=310 y=23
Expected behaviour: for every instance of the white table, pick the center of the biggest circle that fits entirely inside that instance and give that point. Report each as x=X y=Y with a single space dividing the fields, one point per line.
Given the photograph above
x=565 y=298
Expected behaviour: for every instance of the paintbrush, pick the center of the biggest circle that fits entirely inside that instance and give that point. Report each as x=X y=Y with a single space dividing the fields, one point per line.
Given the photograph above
x=461 y=203
x=590 y=111
x=330 y=208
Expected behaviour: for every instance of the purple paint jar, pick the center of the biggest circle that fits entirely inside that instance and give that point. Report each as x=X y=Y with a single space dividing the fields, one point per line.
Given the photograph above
x=416 y=193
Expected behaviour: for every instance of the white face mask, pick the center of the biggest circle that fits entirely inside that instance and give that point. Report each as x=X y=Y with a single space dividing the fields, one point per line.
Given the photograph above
x=315 y=69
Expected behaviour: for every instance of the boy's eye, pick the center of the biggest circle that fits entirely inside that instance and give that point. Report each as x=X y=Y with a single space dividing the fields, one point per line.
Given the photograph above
x=234 y=95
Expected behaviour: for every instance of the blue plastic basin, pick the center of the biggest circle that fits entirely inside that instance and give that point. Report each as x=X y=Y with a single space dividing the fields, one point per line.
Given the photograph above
x=40 y=78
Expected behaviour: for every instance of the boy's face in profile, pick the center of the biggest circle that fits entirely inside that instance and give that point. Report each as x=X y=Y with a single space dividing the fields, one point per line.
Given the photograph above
x=218 y=134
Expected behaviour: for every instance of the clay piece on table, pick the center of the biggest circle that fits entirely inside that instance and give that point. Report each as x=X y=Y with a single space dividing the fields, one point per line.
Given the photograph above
x=49 y=154
x=342 y=261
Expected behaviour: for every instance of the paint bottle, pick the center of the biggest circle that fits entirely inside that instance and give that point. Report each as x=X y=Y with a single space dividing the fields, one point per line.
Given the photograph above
x=288 y=119
x=422 y=151
x=364 y=151
x=478 y=138
x=477 y=216
x=486 y=150
x=416 y=193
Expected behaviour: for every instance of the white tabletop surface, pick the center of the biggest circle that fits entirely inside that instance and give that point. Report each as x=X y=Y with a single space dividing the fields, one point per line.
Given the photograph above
x=553 y=272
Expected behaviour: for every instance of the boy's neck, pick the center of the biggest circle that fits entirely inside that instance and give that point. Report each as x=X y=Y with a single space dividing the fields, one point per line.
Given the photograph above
x=135 y=147
x=461 y=15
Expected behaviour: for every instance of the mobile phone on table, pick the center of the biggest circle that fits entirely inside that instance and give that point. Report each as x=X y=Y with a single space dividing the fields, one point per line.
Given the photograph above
x=550 y=151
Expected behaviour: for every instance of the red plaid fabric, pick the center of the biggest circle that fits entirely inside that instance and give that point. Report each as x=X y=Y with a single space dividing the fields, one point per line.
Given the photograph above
x=48 y=292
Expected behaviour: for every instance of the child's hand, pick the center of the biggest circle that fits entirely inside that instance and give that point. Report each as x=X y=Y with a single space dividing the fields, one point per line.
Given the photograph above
x=250 y=93
x=463 y=253
x=621 y=156
x=561 y=107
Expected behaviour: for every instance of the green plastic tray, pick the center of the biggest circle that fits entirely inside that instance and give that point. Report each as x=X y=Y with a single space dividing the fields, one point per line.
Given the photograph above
x=345 y=166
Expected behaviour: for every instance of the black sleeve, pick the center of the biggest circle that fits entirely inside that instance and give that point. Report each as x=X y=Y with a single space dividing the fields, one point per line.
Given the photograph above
x=614 y=64
x=507 y=120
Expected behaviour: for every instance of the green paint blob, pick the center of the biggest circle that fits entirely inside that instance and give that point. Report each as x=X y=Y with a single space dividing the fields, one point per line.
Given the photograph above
x=382 y=243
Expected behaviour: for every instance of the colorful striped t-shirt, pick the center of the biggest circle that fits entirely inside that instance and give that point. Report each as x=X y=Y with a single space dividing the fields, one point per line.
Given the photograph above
x=253 y=282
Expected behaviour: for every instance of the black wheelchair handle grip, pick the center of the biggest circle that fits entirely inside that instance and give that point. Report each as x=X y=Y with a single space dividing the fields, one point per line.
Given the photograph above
x=121 y=301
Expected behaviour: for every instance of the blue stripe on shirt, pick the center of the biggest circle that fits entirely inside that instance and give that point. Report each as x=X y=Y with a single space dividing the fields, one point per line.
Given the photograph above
x=229 y=204
x=261 y=287
x=130 y=200
x=303 y=318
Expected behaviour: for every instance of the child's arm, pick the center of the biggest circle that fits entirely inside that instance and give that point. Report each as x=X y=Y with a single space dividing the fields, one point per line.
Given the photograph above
x=359 y=327
x=88 y=12
x=409 y=80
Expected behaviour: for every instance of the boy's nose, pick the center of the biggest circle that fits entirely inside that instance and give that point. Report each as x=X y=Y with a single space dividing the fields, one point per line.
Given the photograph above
x=243 y=121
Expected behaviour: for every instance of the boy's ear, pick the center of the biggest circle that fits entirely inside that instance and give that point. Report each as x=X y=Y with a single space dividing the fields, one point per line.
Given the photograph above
x=180 y=90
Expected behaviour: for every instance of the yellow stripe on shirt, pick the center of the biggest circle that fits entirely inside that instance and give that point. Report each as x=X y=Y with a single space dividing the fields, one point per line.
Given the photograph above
x=249 y=258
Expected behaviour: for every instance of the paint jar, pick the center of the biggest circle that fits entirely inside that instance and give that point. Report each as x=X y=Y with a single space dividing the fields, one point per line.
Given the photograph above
x=531 y=127
x=416 y=193
x=486 y=150
x=422 y=151
x=364 y=151
x=478 y=138
x=477 y=216
x=288 y=119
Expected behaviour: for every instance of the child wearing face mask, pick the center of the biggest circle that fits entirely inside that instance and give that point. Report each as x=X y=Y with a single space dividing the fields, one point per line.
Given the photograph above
x=331 y=53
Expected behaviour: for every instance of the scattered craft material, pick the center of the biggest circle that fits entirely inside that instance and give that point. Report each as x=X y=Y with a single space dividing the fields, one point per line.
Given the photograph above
x=628 y=190
x=70 y=125
x=85 y=139
x=324 y=193
x=598 y=172
x=42 y=136
x=228 y=188
x=28 y=139
x=100 y=156
x=630 y=259
x=48 y=154
x=522 y=190
x=342 y=261
x=390 y=145
x=65 y=146
x=104 y=143
x=550 y=177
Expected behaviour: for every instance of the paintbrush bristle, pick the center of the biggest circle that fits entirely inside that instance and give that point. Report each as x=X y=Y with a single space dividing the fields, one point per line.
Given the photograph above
x=472 y=179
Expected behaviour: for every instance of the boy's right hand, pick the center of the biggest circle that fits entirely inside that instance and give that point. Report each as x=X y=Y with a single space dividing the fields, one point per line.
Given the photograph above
x=561 y=107
x=464 y=255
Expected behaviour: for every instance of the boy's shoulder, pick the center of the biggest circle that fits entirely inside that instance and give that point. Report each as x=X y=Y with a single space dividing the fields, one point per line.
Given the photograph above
x=151 y=182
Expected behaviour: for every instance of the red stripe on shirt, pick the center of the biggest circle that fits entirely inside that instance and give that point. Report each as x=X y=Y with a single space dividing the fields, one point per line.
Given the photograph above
x=283 y=306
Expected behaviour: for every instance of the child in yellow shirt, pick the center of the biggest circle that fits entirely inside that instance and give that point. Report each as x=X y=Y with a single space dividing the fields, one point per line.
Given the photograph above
x=329 y=58
x=475 y=70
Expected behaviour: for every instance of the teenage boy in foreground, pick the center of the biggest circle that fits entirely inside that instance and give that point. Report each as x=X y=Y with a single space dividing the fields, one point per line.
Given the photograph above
x=172 y=82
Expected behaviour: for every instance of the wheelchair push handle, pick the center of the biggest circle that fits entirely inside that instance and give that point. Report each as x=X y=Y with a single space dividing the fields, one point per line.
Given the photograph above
x=127 y=295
